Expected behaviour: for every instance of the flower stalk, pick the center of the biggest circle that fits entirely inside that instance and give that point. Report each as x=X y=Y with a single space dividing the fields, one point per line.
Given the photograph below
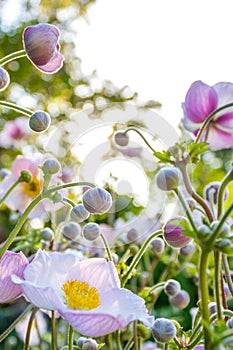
x=12 y=56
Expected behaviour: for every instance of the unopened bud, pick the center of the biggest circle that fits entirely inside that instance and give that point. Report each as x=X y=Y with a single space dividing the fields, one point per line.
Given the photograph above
x=80 y=341
x=25 y=176
x=168 y=178
x=163 y=330
x=4 y=79
x=39 y=121
x=204 y=232
x=180 y=300
x=4 y=172
x=224 y=230
x=47 y=234
x=158 y=245
x=79 y=213
x=173 y=232
x=143 y=331
x=230 y=323
x=91 y=231
x=51 y=166
x=132 y=235
x=89 y=344
x=187 y=250
x=71 y=230
x=172 y=287
x=211 y=192
x=57 y=197
x=97 y=200
x=121 y=139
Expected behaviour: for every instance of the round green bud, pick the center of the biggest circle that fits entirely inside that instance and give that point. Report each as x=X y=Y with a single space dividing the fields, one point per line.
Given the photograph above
x=25 y=176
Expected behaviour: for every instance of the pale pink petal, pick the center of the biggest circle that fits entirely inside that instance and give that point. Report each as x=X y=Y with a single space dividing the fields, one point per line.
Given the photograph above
x=54 y=65
x=11 y=263
x=20 y=164
x=201 y=100
x=225 y=122
x=99 y=273
x=219 y=139
x=225 y=93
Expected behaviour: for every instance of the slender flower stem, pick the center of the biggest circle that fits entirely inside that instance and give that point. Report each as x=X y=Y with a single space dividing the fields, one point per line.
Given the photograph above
x=228 y=178
x=227 y=273
x=107 y=248
x=186 y=208
x=25 y=111
x=217 y=285
x=30 y=323
x=129 y=344
x=24 y=216
x=135 y=335
x=193 y=193
x=109 y=340
x=140 y=134
x=70 y=337
x=69 y=201
x=12 y=56
x=138 y=256
x=204 y=294
x=118 y=340
x=13 y=324
x=208 y=120
x=2 y=200
x=54 y=331
x=157 y=286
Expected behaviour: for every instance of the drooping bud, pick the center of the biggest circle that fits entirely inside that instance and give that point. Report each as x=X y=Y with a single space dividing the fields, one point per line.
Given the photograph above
x=172 y=287
x=121 y=138
x=57 y=197
x=79 y=213
x=4 y=79
x=173 y=232
x=89 y=344
x=97 y=200
x=91 y=231
x=47 y=234
x=71 y=230
x=80 y=341
x=39 y=121
x=204 y=232
x=51 y=166
x=163 y=330
x=168 y=178
x=180 y=300
x=158 y=245
x=211 y=192
x=25 y=176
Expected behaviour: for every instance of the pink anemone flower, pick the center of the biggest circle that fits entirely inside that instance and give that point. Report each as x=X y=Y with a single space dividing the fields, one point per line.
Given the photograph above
x=42 y=48
x=24 y=193
x=86 y=293
x=201 y=100
x=14 y=131
x=11 y=263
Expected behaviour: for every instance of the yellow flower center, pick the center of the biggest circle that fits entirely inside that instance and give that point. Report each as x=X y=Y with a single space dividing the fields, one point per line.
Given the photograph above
x=80 y=295
x=33 y=188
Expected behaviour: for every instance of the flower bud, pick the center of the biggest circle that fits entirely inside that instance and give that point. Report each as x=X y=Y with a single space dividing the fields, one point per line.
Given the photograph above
x=163 y=330
x=121 y=139
x=71 y=230
x=132 y=235
x=204 y=232
x=89 y=344
x=225 y=229
x=230 y=323
x=158 y=245
x=97 y=200
x=224 y=245
x=191 y=204
x=4 y=79
x=47 y=234
x=168 y=178
x=91 y=231
x=80 y=341
x=143 y=331
x=180 y=300
x=25 y=176
x=172 y=287
x=4 y=172
x=211 y=192
x=79 y=213
x=39 y=121
x=57 y=197
x=51 y=166
x=187 y=250
x=173 y=233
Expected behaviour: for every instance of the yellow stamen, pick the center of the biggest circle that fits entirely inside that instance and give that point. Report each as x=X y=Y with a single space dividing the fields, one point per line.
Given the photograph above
x=80 y=295
x=33 y=188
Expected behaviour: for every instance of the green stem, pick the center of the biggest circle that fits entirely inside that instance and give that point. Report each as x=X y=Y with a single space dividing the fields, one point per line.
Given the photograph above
x=129 y=344
x=204 y=295
x=118 y=340
x=12 y=56
x=70 y=337
x=140 y=134
x=54 y=331
x=135 y=335
x=25 y=111
x=18 y=319
x=108 y=251
x=29 y=328
x=192 y=192
x=68 y=201
x=9 y=191
x=24 y=216
x=228 y=178
x=227 y=273
x=186 y=208
x=217 y=285
x=138 y=256
x=157 y=286
x=208 y=120
x=110 y=341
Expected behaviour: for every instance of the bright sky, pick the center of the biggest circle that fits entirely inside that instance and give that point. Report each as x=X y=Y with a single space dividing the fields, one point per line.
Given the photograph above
x=159 y=47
